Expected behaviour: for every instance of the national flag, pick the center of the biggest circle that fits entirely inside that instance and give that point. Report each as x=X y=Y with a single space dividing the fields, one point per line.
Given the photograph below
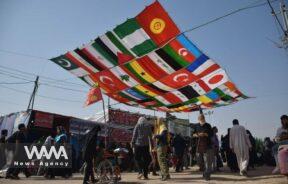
x=139 y=72
x=190 y=52
x=88 y=80
x=179 y=79
x=109 y=81
x=73 y=56
x=163 y=108
x=189 y=92
x=117 y=97
x=228 y=91
x=191 y=102
x=134 y=94
x=161 y=86
x=105 y=51
x=97 y=56
x=182 y=51
x=145 y=89
x=114 y=44
x=150 y=103
x=151 y=67
x=199 y=87
x=160 y=62
x=168 y=59
x=157 y=23
x=124 y=76
x=124 y=58
x=172 y=98
x=181 y=96
x=70 y=66
x=203 y=66
x=134 y=37
x=215 y=78
x=94 y=95
x=163 y=100
x=204 y=99
x=213 y=95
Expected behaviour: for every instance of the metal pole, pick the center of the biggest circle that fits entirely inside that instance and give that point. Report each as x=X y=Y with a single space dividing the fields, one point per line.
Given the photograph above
x=105 y=122
x=284 y=15
x=32 y=98
x=200 y=109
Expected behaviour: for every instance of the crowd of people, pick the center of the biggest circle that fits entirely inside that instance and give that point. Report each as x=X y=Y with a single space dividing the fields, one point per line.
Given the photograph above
x=152 y=143
x=153 y=149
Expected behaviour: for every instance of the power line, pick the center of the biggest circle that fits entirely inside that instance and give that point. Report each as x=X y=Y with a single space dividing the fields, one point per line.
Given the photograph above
x=228 y=14
x=276 y=17
x=16 y=82
x=46 y=84
x=47 y=79
x=22 y=54
x=13 y=76
x=42 y=96
x=59 y=87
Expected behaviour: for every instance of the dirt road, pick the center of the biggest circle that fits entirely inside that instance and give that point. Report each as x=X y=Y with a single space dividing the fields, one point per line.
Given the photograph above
x=261 y=175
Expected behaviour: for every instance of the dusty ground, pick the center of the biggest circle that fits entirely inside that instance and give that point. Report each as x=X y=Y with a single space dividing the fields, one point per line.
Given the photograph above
x=260 y=175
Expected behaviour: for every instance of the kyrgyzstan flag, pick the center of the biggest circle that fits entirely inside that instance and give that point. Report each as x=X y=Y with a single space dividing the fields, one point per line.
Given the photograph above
x=94 y=95
x=157 y=23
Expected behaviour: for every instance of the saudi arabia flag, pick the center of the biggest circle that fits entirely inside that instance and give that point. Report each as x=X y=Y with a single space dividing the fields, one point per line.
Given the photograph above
x=133 y=37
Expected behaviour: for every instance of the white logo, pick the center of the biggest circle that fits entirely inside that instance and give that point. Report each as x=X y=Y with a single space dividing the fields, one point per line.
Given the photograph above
x=44 y=153
x=65 y=63
x=183 y=52
x=182 y=77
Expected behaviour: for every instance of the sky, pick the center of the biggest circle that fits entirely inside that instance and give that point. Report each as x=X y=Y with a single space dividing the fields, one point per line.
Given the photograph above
x=240 y=43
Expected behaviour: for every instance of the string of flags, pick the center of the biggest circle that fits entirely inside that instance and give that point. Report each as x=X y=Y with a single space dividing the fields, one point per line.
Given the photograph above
x=147 y=62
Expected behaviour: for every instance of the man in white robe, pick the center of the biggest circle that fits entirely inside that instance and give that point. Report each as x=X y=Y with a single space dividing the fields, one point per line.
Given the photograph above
x=240 y=145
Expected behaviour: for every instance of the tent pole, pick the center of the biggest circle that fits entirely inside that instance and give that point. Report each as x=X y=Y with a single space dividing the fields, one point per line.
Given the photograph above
x=105 y=122
x=200 y=110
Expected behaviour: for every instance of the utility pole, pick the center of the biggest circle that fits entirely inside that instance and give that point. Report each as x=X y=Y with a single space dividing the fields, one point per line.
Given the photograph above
x=283 y=11
x=284 y=25
x=33 y=95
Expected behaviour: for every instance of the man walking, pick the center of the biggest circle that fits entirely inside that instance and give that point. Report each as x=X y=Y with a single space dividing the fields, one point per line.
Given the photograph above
x=142 y=137
x=205 y=154
x=3 y=148
x=89 y=151
x=240 y=145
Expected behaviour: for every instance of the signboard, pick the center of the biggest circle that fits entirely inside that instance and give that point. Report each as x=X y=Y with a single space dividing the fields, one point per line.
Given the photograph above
x=22 y=118
x=43 y=120
x=8 y=123
x=123 y=117
x=180 y=126
x=120 y=135
x=79 y=127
